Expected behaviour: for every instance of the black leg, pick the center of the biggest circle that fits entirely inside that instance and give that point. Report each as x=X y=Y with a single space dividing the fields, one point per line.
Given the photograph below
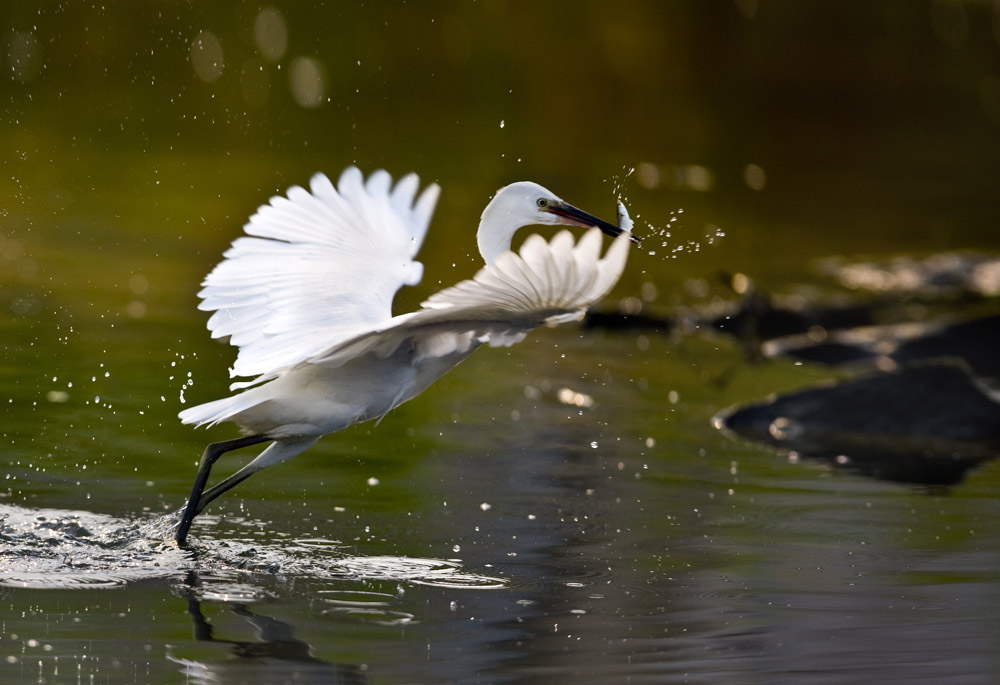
x=212 y=454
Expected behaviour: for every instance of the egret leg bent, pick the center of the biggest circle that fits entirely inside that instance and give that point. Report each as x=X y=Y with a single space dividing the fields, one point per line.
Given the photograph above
x=212 y=454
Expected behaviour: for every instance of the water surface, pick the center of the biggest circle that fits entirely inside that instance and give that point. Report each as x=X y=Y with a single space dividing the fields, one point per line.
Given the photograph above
x=562 y=509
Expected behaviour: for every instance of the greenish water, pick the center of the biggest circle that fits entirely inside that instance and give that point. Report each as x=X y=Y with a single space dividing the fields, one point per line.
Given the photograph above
x=486 y=531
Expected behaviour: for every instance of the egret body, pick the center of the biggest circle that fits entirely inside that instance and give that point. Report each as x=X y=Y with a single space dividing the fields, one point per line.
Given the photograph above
x=307 y=296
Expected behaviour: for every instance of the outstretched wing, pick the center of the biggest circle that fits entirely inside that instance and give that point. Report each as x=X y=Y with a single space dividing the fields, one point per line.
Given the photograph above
x=547 y=282
x=317 y=268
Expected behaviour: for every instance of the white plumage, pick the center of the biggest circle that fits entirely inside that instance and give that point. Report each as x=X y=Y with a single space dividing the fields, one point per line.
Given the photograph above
x=294 y=286
x=307 y=297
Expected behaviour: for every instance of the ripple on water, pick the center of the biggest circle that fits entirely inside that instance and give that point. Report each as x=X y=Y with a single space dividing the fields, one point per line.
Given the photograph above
x=366 y=606
x=48 y=548
x=434 y=572
x=362 y=598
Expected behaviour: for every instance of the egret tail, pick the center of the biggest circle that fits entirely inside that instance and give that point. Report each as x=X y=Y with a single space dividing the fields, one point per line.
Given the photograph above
x=217 y=410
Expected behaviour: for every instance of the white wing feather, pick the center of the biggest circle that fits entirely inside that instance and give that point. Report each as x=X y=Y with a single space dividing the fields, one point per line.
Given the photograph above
x=546 y=283
x=317 y=268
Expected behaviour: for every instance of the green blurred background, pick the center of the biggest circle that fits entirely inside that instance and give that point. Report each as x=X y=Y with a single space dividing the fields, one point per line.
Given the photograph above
x=138 y=136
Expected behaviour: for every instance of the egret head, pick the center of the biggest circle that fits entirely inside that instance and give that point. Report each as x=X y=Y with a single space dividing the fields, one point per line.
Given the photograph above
x=524 y=204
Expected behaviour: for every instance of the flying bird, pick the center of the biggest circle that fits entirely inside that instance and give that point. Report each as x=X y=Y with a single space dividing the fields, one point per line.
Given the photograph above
x=307 y=295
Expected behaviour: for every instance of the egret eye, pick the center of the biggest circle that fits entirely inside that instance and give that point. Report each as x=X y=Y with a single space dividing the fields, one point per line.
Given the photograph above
x=542 y=203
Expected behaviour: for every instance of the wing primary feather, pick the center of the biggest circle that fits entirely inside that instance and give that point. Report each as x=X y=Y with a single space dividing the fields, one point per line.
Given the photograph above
x=288 y=288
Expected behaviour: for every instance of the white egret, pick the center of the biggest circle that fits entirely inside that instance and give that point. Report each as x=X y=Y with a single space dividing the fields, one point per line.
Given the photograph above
x=307 y=297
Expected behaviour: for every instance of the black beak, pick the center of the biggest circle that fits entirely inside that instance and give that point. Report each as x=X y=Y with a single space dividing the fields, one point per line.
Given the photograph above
x=579 y=217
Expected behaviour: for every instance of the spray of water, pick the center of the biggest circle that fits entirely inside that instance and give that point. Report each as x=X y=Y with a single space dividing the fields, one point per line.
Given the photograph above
x=659 y=239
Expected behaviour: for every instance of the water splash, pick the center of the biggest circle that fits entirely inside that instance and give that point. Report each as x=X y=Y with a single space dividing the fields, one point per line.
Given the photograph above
x=50 y=548
x=651 y=232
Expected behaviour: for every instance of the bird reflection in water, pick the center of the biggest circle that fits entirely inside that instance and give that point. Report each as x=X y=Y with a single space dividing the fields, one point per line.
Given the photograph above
x=276 y=656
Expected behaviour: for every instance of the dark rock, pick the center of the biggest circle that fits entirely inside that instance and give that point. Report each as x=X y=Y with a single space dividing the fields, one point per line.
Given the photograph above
x=921 y=424
x=975 y=341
